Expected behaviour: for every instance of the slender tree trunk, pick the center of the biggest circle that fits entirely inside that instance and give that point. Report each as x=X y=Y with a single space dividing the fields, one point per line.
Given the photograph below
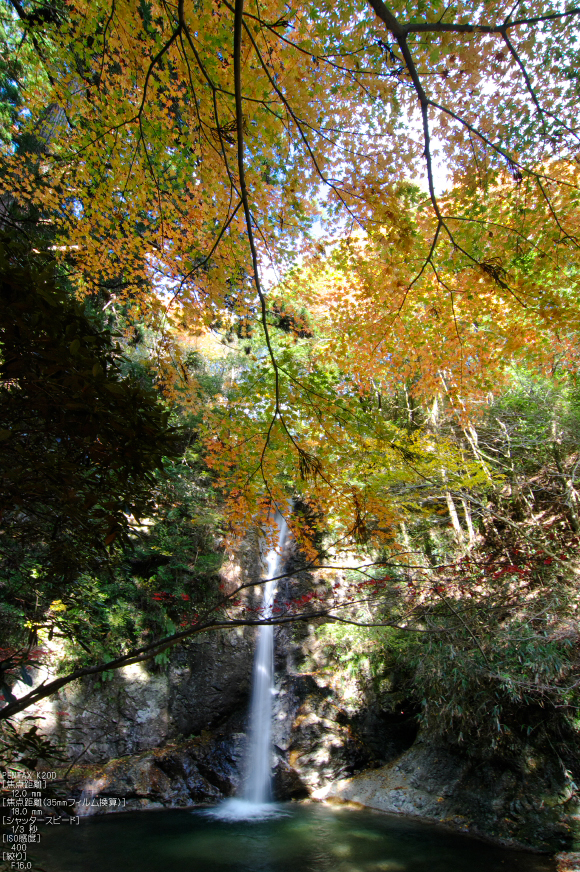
x=473 y=442
x=459 y=537
x=468 y=521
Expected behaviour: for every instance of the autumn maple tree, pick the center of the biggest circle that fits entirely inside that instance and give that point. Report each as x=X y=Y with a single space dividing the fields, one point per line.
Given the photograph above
x=371 y=199
x=420 y=162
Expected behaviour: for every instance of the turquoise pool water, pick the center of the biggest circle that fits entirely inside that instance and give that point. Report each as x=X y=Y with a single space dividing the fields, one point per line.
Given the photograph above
x=303 y=838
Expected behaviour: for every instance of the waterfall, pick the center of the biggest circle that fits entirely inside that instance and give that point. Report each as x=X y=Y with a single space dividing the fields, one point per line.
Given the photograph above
x=257 y=787
x=256 y=795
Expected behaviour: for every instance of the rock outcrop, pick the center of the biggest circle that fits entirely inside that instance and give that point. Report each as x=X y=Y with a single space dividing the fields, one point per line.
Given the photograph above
x=526 y=805
x=202 y=771
x=143 y=706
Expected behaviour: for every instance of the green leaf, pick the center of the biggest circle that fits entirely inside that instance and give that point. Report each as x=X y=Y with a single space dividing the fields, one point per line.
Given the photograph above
x=115 y=388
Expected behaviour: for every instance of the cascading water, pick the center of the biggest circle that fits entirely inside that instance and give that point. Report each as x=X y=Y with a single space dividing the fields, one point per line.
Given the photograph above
x=256 y=795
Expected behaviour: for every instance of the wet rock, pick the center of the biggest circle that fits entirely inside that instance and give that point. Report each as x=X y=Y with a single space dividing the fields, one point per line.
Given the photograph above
x=218 y=760
x=287 y=783
x=201 y=771
x=213 y=682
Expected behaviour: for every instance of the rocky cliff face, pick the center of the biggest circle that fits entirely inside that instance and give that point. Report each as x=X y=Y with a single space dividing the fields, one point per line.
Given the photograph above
x=527 y=804
x=196 y=712
x=142 y=707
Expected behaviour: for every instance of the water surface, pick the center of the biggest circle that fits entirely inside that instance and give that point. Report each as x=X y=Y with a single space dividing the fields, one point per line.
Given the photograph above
x=304 y=838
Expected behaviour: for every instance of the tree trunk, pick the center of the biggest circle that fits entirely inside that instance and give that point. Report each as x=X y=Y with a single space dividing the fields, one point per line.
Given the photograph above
x=569 y=489
x=459 y=538
x=468 y=521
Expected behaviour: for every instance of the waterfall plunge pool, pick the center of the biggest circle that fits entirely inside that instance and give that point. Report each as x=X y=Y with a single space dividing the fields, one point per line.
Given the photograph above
x=302 y=838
